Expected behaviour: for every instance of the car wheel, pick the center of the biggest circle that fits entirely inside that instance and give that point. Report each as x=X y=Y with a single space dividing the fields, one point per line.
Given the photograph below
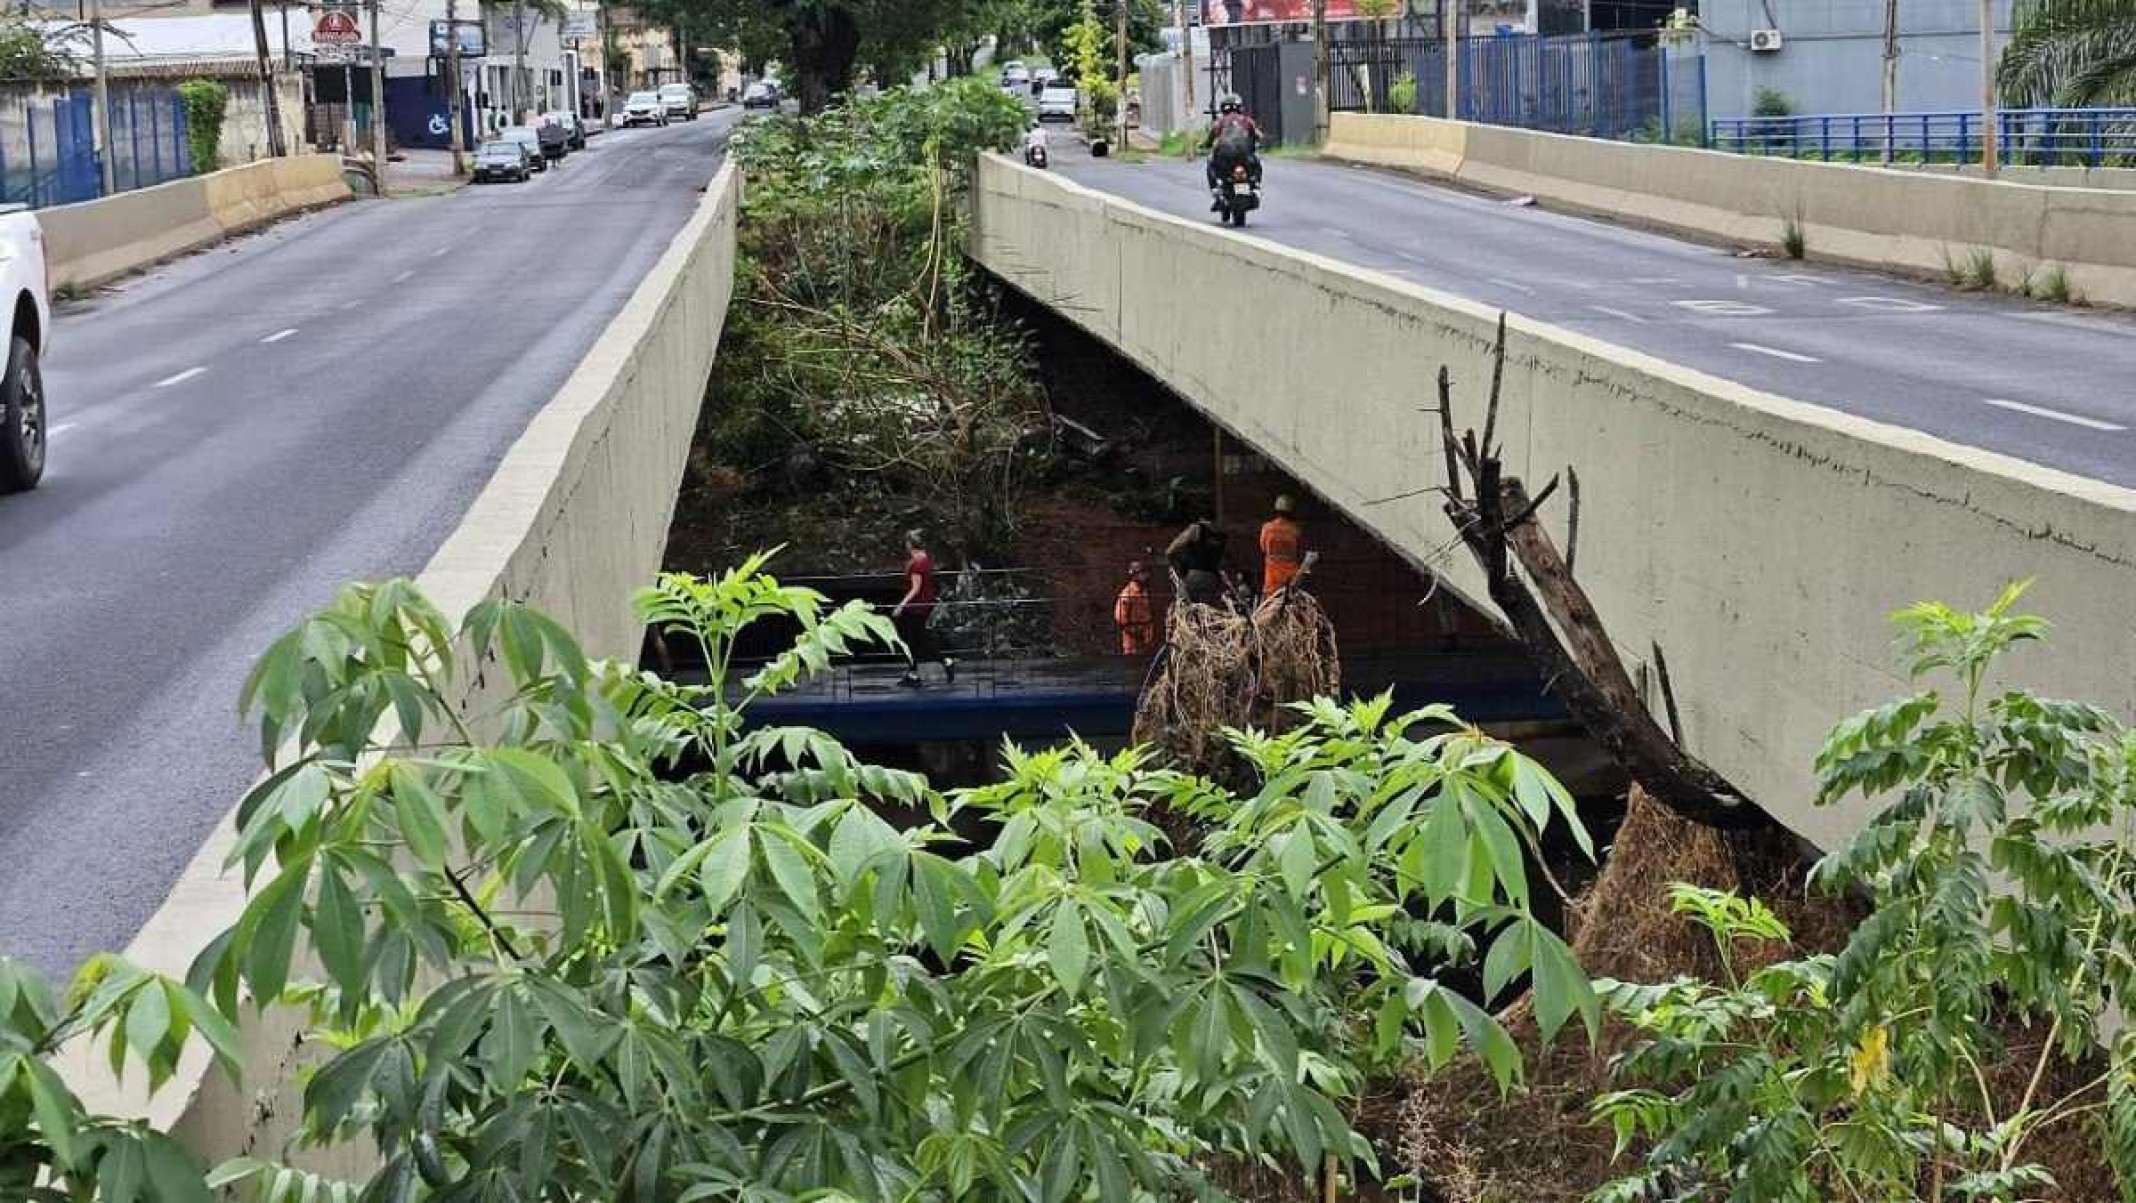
x=22 y=419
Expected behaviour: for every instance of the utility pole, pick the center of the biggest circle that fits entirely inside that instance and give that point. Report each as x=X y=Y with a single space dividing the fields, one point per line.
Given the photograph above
x=456 y=88
x=519 y=59
x=1120 y=52
x=1987 y=88
x=1891 y=70
x=1186 y=60
x=1450 y=32
x=268 y=100
x=108 y=168
x=1320 y=72
x=378 y=103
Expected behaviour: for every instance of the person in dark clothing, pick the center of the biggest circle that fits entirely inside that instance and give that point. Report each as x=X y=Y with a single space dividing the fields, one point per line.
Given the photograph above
x=1196 y=555
x=554 y=141
x=1234 y=138
x=914 y=612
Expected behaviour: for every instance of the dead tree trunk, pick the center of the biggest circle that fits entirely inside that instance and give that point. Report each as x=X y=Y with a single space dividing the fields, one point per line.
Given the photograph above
x=1533 y=586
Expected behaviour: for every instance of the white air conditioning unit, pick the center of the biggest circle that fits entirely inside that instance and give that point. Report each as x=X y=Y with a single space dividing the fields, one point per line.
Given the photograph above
x=1764 y=41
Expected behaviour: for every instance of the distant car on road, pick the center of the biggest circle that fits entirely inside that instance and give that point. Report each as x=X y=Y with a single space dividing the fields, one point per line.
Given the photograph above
x=23 y=419
x=574 y=129
x=644 y=108
x=529 y=140
x=1015 y=75
x=502 y=161
x=763 y=94
x=1041 y=77
x=1057 y=103
x=679 y=100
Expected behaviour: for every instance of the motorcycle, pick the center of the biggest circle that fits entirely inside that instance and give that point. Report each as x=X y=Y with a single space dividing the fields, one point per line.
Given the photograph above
x=1237 y=196
x=1035 y=156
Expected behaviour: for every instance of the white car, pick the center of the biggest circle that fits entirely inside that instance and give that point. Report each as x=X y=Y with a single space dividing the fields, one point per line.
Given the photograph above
x=678 y=100
x=644 y=108
x=23 y=420
x=1057 y=103
x=1015 y=75
x=760 y=95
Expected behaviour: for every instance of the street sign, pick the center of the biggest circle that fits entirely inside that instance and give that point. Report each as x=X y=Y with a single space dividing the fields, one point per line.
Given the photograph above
x=336 y=27
x=578 y=25
x=474 y=39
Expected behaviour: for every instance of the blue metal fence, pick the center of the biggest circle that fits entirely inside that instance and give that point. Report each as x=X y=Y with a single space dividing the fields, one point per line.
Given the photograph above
x=48 y=152
x=1601 y=84
x=2101 y=137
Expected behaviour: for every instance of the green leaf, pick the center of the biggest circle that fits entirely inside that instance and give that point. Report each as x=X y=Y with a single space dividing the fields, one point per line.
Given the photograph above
x=1068 y=945
x=726 y=867
x=55 y=1108
x=790 y=868
x=338 y=930
x=1297 y=862
x=267 y=932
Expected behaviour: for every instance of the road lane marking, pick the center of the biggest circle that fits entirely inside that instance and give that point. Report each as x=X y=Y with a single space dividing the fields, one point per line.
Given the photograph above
x=180 y=377
x=279 y=335
x=2041 y=411
x=1776 y=353
x=1890 y=304
x=1656 y=280
x=1723 y=308
x=1798 y=278
x=1630 y=317
x=1742 y=281
x=439 y=253
x=1512 y=284
x=59 y=430
x=404 y=277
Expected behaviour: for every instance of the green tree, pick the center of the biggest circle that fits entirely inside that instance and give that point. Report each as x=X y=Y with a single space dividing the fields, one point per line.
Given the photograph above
x=2070 y=53
x=2002 y=866
x=30 y=52
x=821 y=42
x=205 y=100
x=557 y=963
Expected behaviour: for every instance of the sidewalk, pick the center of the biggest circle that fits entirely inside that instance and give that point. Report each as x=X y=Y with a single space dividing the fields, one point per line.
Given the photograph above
x=421 y=172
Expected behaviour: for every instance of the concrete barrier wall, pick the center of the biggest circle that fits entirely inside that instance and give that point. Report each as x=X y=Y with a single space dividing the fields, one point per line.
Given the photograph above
x=574 y=520
x=1761 y=542
x=1910 y=220
x=94 y=241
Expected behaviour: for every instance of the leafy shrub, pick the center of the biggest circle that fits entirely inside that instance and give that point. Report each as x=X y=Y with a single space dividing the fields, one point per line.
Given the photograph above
x=555 y=967
x=205 y=101
x=1402 y=94
x=863 y=338
x=2003 y=870
x=1772 y=102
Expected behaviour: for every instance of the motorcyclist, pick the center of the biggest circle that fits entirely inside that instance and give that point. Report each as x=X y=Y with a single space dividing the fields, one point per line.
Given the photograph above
x=1234 y=137
x=1034 y=146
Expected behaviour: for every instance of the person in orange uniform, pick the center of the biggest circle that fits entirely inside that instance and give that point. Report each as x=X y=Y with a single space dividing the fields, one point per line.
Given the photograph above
x=1131 y=613
x=1282 y=546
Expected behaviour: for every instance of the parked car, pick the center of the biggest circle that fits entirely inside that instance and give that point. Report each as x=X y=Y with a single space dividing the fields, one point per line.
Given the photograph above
x=530 y=141
x=1057 y=103
x=679 y=100
x=1044 y=75
x=760 y=95
x=23 y=418
x=574 y=129
x=644 y=108
x=1015 y=75
x=502 y=161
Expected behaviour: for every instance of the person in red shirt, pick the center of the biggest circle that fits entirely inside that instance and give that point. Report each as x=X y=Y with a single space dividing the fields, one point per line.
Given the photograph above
x=914 y=612
x=1132 y=615
x=1282 y=546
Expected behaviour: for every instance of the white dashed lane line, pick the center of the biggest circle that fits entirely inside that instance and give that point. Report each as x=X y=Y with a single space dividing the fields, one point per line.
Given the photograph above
x=180 y=377
x=59 y=430
x=279 y=335
x=404 y=277
x=1514 y=285
x=2041 y=411
x=1776 y=353
x=1618 y=313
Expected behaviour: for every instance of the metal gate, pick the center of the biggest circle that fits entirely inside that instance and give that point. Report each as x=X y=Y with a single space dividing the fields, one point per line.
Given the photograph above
x=1256 y=74
x=78 y=177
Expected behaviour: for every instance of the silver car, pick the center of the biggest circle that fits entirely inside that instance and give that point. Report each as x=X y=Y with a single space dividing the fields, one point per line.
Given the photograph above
x=644 y=108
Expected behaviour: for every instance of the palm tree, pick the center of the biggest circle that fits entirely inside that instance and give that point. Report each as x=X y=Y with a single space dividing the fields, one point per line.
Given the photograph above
x=2070 y=54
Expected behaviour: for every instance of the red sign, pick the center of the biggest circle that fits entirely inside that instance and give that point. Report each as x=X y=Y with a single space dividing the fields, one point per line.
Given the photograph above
x=1247 y=12
x=336 y=27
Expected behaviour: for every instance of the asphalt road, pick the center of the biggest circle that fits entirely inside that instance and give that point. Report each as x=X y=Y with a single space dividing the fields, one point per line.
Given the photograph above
x=236 y=436
x=2052 y=385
